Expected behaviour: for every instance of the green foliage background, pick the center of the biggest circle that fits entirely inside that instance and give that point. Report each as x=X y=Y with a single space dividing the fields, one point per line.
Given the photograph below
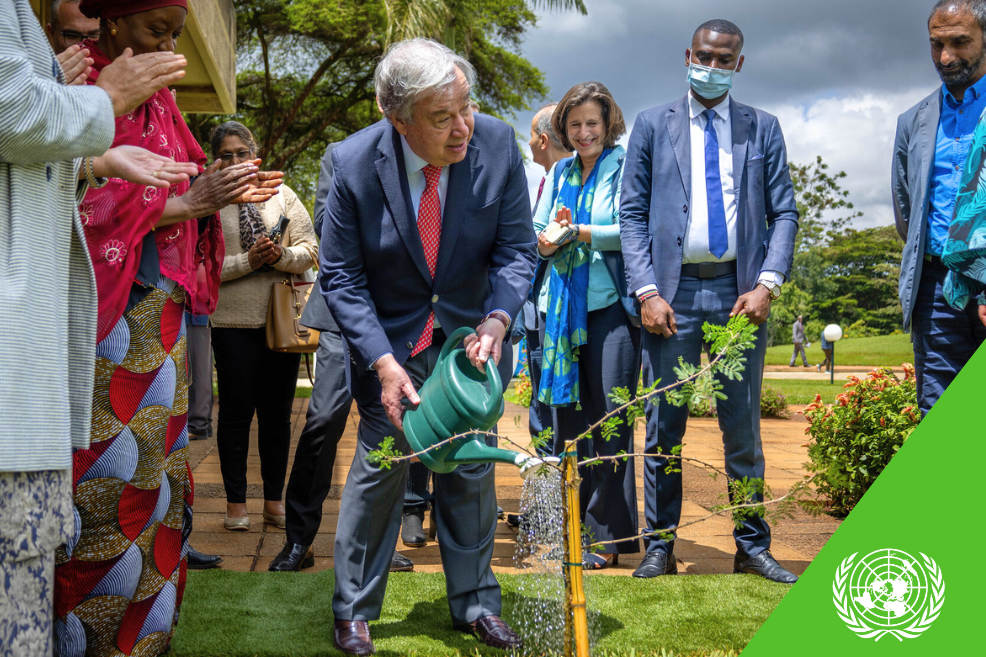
x=305 y=67
x=841 y=275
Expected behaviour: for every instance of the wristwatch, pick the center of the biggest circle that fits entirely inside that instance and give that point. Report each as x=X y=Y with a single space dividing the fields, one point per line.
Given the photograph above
x=773 y=288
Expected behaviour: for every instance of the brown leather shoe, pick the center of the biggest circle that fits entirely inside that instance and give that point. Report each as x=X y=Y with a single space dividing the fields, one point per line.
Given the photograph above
x=353 y=638
x=492 y=631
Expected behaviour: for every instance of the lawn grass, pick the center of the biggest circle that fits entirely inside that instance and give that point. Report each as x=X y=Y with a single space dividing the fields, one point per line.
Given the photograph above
x=235 y=614
x=883 y=350
x=801 y=391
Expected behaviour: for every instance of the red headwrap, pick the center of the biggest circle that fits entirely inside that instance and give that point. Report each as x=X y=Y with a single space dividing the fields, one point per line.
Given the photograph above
x=115 y=8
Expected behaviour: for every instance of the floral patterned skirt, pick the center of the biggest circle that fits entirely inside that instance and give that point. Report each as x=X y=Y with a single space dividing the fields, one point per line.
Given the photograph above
x=119 y=583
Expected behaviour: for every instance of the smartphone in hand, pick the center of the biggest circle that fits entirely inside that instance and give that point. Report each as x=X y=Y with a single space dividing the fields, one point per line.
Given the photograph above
x=277 y=231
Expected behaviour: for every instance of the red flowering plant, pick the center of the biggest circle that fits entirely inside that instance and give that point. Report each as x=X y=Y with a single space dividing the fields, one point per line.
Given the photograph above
x=853 y=440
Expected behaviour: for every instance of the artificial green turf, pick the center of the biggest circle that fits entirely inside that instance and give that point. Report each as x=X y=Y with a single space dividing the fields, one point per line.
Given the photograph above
x=883 y=350
x=234 y=614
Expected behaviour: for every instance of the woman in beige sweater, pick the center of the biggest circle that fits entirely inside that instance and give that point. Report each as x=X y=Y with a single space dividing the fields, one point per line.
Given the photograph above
x=252 y=378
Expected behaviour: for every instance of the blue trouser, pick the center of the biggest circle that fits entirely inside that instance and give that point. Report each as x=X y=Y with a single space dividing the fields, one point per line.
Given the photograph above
x=944 y=338
x=609 y=359
x=698 y=301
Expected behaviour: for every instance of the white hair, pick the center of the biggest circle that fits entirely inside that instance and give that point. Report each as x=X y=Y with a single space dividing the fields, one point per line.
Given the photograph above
x=413 y=68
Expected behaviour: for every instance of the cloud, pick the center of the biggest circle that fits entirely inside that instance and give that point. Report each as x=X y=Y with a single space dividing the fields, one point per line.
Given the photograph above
x=837 y=73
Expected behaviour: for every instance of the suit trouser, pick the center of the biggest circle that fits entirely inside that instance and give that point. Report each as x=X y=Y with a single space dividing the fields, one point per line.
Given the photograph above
x=370 y=518
x=199 y=339
x=698 y=301
x=944 y=338
x=610 y=359
x=328 y=414
x=799 y=347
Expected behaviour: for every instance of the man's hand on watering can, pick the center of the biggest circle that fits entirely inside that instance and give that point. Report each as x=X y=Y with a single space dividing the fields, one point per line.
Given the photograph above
x=396 y=385
x=486 y=343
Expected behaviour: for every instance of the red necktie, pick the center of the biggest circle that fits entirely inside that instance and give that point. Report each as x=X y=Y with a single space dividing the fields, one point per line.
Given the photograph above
x=430 y=230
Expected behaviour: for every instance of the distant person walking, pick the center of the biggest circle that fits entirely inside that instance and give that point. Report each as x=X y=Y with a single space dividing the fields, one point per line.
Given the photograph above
x=933 y=139
x=798 y=337
x=825 y=365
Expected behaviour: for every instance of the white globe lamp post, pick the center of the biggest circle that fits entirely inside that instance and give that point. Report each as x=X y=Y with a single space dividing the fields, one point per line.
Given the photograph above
x=832 y=334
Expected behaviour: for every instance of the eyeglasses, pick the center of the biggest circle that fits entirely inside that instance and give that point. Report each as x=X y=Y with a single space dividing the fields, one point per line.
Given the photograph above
x=71 y=37
x=241 y=155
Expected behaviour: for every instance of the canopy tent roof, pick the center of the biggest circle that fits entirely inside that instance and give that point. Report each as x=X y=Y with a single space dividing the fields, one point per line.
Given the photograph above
x=209 y=45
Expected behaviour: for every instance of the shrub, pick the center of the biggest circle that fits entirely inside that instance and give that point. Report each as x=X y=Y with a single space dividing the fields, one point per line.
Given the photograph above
x=773 y=402
x=853 y=440
x=522 y=390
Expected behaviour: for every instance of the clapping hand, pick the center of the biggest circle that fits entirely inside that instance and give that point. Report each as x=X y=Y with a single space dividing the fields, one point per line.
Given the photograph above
x=76 y=64
x=130 y=80
x=134 y=164
x=262 y=188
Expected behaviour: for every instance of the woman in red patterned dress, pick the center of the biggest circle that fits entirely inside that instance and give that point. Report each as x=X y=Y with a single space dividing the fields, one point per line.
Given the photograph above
x=119 y=584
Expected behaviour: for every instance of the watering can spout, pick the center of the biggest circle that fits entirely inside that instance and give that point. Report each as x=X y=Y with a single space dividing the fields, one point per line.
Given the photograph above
x=477 y=451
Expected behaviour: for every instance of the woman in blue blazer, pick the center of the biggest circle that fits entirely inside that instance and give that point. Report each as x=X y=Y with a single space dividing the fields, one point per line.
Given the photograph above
x=591 y=341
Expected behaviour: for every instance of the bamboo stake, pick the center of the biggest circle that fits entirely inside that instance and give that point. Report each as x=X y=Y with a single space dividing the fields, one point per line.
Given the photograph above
x=576 y=619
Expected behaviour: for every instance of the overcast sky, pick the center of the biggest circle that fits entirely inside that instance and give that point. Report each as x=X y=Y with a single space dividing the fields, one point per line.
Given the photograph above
x=837 y=73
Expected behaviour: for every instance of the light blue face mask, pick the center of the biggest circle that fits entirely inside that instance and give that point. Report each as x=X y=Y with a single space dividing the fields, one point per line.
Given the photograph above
x=709 y=82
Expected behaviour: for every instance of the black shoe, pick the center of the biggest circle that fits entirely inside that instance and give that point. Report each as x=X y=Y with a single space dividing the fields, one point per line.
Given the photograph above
x=764 y=565
x=292 y=558
x=400 y=564
x=515 y=519
x=199 y=561
x=413 y=529
x=656 y=564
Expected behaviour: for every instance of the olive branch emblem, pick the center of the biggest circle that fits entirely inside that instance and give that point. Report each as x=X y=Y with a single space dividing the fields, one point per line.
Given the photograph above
x=857 y=623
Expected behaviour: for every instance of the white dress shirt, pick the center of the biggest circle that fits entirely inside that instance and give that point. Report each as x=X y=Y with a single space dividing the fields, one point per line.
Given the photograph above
x=416 y=182
x=696 y=243
x=695 y=247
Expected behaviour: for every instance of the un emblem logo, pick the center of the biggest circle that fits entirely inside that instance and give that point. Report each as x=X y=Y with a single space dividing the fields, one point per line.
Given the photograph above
x=888 y=592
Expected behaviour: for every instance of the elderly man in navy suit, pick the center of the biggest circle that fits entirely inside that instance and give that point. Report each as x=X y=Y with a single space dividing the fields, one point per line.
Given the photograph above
x=708 y=221
x=427 y=229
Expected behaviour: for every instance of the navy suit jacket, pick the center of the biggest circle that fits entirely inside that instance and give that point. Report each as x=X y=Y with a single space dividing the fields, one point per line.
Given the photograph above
x=913 y=169
x=317 y=314
x=374 y=275
x=657 y=184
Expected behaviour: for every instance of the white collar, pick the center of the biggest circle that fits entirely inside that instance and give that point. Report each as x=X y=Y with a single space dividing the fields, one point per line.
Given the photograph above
x=412 y=163
x=696 y=108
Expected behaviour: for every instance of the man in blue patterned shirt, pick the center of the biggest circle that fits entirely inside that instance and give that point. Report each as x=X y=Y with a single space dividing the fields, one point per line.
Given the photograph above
x=933 y=139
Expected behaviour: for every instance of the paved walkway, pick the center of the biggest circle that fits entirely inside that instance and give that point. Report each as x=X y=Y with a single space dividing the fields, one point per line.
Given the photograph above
x=706 y=547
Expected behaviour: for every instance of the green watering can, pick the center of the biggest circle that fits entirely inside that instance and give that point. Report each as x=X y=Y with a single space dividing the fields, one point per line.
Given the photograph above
x=457 y=398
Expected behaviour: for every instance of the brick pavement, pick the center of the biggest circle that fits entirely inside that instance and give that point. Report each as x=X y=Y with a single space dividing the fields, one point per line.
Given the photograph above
x=704 y=548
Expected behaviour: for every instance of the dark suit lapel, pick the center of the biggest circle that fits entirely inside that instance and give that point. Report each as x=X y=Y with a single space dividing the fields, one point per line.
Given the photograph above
x=393 y=179
x=741 y=119
x=678 y=128
x=458 y=192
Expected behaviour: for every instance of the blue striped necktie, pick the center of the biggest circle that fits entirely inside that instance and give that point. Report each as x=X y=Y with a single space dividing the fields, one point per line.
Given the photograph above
x=718 y=239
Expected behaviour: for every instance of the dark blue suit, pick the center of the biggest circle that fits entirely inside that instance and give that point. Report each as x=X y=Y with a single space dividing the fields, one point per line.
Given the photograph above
x=653 y=216
x=378 y=287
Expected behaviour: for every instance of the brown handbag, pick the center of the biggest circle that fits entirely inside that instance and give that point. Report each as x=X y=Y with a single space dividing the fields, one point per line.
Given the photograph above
x=285 y=333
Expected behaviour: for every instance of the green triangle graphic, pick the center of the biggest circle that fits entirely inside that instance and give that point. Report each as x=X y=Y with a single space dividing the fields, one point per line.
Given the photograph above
x=924 y=502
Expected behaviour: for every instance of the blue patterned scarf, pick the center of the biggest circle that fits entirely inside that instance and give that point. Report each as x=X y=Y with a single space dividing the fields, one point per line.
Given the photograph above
x=566 y=328
x=964 y=252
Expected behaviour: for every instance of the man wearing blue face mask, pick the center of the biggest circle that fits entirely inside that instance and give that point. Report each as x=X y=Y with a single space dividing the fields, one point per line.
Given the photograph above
x=708 y=221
